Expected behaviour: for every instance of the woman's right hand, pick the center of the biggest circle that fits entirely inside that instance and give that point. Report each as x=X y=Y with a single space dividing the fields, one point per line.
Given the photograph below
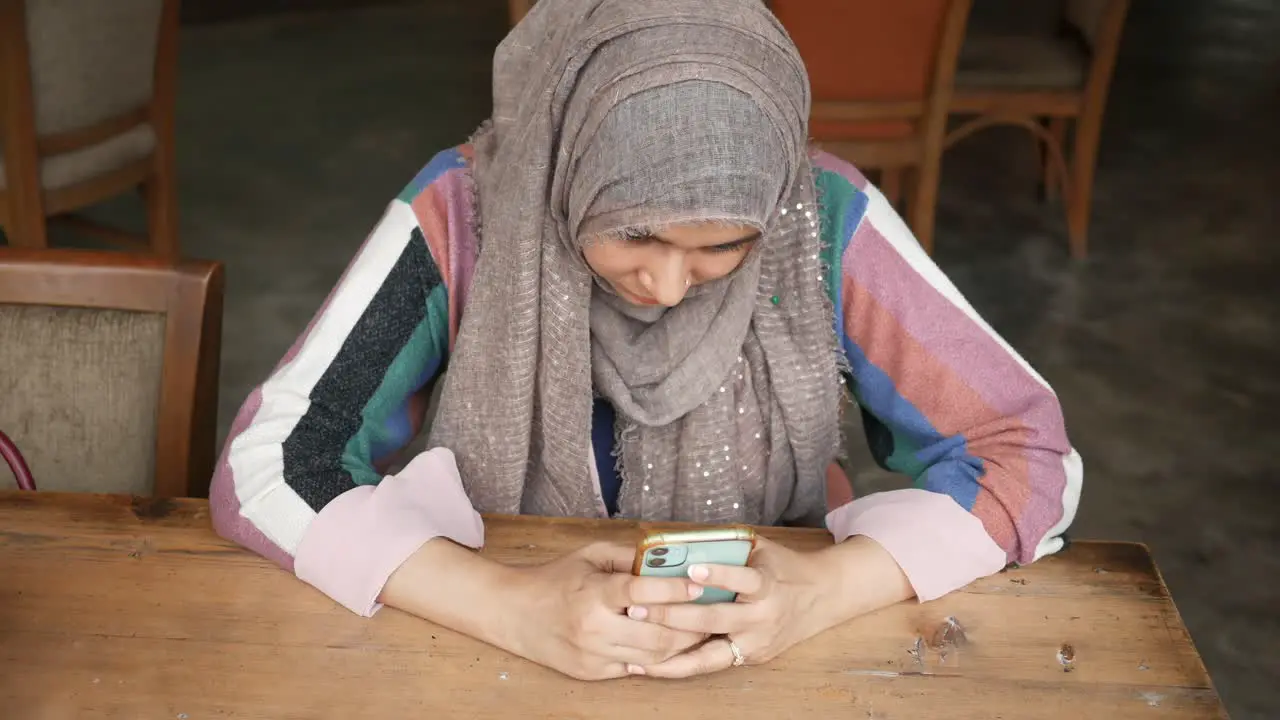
x=571 y=614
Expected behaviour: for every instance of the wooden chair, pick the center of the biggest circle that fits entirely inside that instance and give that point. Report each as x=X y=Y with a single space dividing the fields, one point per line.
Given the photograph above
x=1043 y=82
x=517 y=9
x=86 y=113
x=109 y=369
x=881 y=74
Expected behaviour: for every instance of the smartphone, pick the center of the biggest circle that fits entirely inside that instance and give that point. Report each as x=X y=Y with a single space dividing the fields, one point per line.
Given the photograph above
x=669 y=554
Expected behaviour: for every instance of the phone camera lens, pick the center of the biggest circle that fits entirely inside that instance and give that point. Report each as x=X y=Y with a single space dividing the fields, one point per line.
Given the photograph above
x=657 y=562
x=659 y=551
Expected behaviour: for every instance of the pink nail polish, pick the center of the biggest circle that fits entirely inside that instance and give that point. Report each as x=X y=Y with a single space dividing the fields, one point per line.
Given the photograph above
x=635 y=669
x=695 y=592
x=636 y=612
x=699 y=572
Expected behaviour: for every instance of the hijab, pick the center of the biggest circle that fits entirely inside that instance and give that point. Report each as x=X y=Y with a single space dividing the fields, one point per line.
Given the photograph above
x=611 y=115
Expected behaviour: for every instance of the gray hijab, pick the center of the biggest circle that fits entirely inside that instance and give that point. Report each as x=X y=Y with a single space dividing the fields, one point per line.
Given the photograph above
x=615 y=114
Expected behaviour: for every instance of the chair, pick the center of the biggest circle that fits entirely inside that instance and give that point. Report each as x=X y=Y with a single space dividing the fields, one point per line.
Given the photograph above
x=1043 y=82
x=86 y=113
x=881 y=75
x=517 y=9
x=109 y=369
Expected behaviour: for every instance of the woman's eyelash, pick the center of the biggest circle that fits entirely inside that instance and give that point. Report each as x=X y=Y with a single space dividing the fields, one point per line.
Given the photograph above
x=735 y=245
x=727 y=247
x=644 y=235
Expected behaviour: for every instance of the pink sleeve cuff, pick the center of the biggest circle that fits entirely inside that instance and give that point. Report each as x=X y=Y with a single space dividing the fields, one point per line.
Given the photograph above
x=937 y=544
x=365 y=534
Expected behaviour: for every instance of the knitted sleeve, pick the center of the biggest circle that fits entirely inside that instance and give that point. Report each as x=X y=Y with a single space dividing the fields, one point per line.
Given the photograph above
x=946 y=402
x=303 y=478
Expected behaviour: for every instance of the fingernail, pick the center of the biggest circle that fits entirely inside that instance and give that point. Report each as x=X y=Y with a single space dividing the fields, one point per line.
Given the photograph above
x=699 y=572
x=635 y=669
x=636 y=612
x=695 y=592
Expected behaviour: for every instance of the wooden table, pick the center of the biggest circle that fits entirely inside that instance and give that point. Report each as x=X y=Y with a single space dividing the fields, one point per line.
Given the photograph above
x=132 y=608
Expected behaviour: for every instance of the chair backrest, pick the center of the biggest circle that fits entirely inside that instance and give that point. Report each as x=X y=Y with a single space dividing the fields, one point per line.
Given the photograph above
x=109 y=369
x=884 y=62
x=76 y=75
x=865 y=49
x=90 y=61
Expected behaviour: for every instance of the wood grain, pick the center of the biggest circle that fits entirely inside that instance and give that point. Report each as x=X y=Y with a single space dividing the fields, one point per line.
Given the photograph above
x=125 y=608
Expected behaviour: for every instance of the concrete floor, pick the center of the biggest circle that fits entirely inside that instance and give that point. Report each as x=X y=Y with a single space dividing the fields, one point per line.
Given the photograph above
x=294 y=133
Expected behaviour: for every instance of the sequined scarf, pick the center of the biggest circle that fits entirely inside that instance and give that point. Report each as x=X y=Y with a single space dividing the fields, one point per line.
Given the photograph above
x=613 y=114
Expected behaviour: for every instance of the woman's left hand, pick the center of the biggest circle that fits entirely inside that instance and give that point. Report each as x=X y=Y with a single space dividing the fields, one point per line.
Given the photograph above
x=784 y=597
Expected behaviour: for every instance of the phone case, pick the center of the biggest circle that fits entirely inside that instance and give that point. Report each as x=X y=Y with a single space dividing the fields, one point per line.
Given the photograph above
x=669 y=554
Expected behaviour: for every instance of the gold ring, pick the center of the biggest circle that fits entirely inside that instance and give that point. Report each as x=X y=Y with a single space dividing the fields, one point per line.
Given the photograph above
x=737 y=653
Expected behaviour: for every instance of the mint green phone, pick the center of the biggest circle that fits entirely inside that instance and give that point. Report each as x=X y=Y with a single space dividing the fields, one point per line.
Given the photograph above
x=669 y=554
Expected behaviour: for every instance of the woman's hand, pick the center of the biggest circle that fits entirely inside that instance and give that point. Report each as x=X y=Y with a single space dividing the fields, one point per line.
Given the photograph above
x=570 y=614
x=784 y=598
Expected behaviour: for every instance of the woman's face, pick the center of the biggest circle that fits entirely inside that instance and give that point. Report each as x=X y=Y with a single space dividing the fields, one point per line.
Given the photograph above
x=659 y=267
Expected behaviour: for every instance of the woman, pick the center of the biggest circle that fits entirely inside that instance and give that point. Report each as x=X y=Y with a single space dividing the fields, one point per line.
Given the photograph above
x=649 y=293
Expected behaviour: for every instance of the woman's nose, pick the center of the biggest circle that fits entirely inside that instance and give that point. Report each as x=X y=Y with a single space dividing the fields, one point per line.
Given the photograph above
x=667 y=280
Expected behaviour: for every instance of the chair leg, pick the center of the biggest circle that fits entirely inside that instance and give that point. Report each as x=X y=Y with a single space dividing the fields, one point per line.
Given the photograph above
x=910 y=179
x=162 y=213
x=891 y=185
x=21 y=234
x=27 y=226
x=24 y=224
x=1057 y=128
x=1079 y=196
x=922 y=210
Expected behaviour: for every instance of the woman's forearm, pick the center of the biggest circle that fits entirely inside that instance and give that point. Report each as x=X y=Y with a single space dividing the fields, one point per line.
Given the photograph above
x=452 y=586
x=864 y=577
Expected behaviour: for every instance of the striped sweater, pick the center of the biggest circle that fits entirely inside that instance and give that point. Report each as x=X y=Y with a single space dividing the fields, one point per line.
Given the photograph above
x=304 y=479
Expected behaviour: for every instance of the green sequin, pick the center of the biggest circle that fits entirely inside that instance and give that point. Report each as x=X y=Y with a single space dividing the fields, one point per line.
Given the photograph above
x=776 y=300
